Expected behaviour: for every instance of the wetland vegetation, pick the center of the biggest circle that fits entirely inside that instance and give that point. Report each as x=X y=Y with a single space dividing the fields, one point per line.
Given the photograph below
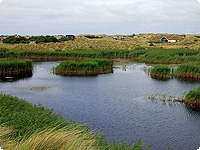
x=12 y=66
x=160 y=71
x=85 y=67
x=23 y=127
x=192 y=98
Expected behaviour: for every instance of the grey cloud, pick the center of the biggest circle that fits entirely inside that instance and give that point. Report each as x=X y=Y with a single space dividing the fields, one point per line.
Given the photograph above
x=98 y=16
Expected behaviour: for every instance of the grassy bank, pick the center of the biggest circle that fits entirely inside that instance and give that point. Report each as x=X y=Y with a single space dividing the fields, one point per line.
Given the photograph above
x=169 y=56
x=147 y=55
x=63 y=55
x=35 y=127
x=188 y=70
x=15 y=66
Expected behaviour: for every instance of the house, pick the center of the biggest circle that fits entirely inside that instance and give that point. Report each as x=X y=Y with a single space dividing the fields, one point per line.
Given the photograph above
x=27 y=37
x=118 y=38
x=58 y=36
x=3 y=36
x=163 y=39
x=71 y=37
x=32 y=42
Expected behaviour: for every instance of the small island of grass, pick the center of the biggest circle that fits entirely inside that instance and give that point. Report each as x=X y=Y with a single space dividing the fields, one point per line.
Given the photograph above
x=160 y=72
x=192 y=98
x=85 y=67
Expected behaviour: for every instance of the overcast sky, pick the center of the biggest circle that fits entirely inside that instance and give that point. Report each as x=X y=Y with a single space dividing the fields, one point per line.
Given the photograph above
x=42 y=17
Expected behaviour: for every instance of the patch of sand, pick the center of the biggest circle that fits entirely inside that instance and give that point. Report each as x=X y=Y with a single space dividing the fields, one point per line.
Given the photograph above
x=38 y=88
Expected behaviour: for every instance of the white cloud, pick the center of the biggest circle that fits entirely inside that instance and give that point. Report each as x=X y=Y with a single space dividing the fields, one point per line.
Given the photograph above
x=98 y=16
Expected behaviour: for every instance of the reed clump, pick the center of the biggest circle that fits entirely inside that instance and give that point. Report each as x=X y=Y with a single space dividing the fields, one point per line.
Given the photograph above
x=85 y=67
x=193 y=98
x=188 y=70
x=15 y=66
x=161 y=72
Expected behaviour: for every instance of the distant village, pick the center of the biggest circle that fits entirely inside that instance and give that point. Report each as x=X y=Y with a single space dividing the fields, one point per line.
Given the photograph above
x=169 y=38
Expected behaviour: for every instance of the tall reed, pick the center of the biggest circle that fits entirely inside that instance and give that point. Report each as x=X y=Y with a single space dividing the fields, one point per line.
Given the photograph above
x=160 y=71
x=15 y=64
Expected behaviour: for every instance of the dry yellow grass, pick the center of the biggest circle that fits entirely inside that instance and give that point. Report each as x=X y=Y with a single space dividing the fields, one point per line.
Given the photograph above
x=108 y=43
x=80 y=43
x=49 y=139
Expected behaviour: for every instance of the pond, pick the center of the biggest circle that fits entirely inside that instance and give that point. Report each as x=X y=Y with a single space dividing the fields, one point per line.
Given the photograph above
x=115 y=104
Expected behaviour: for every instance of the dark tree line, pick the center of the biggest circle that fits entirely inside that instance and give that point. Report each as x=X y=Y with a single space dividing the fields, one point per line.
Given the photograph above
x=39 y=39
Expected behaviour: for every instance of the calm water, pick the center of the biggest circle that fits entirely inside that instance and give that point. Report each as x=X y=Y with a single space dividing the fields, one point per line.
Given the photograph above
x=115 y=104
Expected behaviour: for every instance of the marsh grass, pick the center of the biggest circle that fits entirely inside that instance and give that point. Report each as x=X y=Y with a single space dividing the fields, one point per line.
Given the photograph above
x=193 y=98
x=164 y=97
x=84 y=67
x=15 y=64
x=188 y=70
x=161 y=72
x=52 y=139
x=169 y=56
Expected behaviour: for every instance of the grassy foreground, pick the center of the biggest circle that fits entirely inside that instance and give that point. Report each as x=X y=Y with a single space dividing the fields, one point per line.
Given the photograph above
x=26 y=126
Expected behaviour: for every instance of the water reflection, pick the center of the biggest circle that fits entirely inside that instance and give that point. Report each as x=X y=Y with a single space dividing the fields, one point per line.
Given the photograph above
x=188 y=80
x=15 y=77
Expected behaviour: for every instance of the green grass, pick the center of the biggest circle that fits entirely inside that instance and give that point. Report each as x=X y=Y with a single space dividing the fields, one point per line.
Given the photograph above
x=160 y=71
x=27 y=125
x=191 y=67
x=169 y=56
x=188 y=70
x=85 y=67
x=79 y=65
x=74 y=53
x=193 y=97
x=148 y=55
x=15 y=64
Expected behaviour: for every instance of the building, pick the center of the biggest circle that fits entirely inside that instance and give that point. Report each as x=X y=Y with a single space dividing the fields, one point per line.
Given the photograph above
x=32 y=42
x=118 y=38
x=58 y=36
x=3 y=36
x=27 y=37
x=71 y=37
x=164 y=39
